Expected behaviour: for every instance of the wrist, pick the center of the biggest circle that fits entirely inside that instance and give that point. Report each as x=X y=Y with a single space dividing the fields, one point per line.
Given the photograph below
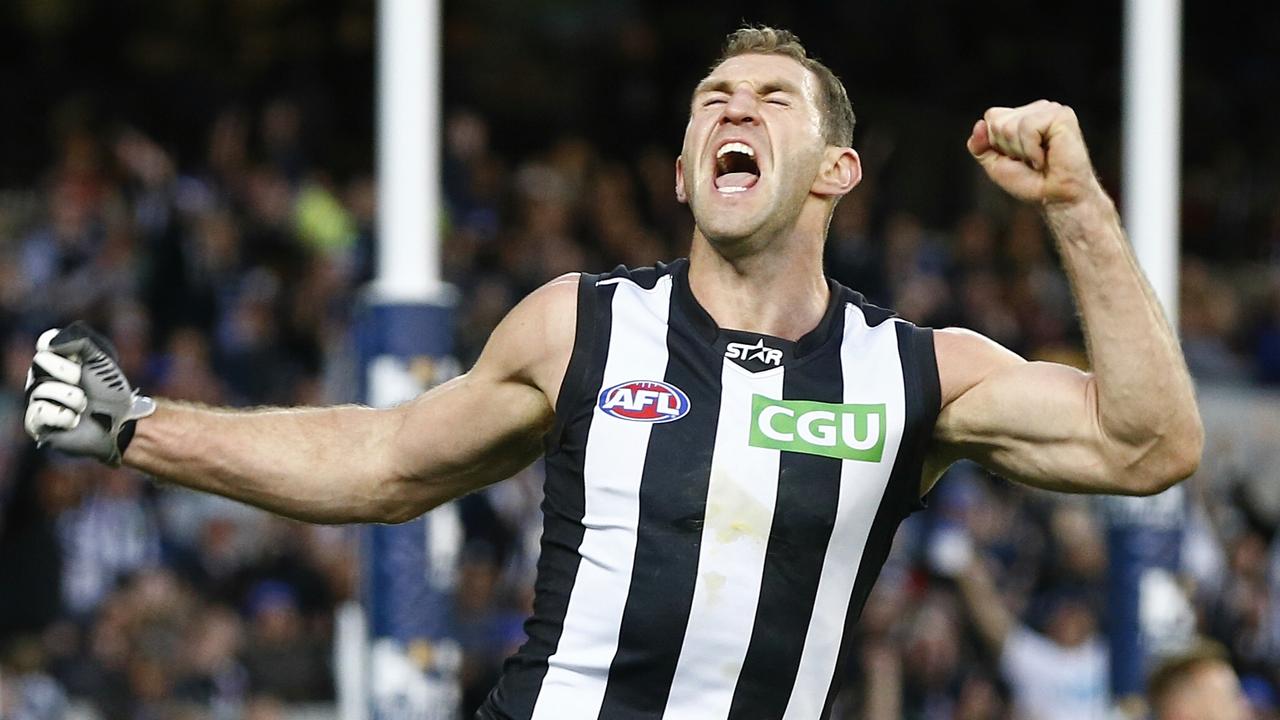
x=145 y=435
x=1090 y=222
x=1090 y=199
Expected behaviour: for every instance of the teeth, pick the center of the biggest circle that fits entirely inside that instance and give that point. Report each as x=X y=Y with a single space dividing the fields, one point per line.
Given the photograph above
x=732 y=189
x=735 y=147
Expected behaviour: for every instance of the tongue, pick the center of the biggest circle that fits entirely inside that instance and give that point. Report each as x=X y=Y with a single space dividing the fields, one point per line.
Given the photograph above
x=737 y=179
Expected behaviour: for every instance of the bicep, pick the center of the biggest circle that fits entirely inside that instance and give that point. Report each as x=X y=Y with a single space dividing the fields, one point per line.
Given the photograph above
x=472 y=431
x=1033 y=422
x=486 y=425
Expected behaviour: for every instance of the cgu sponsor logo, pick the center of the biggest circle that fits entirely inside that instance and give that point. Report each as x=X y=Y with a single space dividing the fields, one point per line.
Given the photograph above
x=759 y=351
x=835 y=430
x=645 y=401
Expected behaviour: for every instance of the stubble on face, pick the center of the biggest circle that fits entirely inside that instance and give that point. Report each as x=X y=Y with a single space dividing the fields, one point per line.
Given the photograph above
x=771 y=104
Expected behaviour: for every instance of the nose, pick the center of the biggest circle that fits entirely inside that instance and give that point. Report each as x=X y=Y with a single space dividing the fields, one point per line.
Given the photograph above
x=742 y=106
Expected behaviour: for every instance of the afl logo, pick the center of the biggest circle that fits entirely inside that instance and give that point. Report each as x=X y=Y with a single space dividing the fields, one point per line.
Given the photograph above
x=645 y=401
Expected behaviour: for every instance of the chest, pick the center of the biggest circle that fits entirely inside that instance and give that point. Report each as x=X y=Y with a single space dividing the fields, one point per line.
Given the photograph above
x=741 y=441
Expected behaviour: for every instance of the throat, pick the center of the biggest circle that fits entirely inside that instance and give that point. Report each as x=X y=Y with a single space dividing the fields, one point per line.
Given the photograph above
x=769 y=301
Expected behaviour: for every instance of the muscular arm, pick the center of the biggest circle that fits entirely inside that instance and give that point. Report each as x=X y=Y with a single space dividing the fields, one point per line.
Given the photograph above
x=1129 y=426
x=358 y=464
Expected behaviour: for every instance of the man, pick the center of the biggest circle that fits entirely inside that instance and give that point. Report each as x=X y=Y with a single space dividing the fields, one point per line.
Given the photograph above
x=730 y=440
x=1196 y=684
x=1063 y=674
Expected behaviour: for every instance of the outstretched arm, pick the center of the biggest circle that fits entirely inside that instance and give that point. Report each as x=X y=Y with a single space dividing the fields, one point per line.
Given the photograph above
x=358 y=464
x=1130 y=426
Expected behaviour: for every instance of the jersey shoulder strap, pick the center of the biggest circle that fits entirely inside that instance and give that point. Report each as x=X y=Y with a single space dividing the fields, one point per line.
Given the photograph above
x=591 y=337
x=922 y=397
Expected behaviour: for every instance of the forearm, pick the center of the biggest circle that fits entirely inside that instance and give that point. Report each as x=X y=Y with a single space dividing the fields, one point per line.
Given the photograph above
x=1144 y=398
x=986 y=608
x=317 y=464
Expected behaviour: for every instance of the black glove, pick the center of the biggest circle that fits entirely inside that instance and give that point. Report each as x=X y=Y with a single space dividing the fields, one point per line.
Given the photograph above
x=78 y=400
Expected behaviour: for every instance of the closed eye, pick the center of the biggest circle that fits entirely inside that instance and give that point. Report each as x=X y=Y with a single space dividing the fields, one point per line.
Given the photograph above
x=779 y=100
x=716 y=100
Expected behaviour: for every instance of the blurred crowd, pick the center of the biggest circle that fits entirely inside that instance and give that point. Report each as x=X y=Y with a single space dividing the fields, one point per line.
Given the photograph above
x=226 y=269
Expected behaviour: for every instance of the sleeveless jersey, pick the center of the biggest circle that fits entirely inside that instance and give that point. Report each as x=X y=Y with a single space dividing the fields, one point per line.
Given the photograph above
x=717 y=506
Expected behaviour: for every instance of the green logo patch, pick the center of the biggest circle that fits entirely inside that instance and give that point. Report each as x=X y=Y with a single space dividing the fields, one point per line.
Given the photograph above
x=844 y=431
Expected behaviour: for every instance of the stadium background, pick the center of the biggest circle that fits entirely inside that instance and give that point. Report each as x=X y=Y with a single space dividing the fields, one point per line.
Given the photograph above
x=196 y=178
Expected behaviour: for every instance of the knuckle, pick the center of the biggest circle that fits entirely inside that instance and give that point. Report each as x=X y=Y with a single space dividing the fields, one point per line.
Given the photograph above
x=57 y=366
x=69 y=396
x=42 y=414
x=46 y=338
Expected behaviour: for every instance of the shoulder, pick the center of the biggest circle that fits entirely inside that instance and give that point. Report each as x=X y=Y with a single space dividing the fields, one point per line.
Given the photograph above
x=533 y=342
x=550 y=312
x=869 y=314
x=646 y=278
x=965 y=358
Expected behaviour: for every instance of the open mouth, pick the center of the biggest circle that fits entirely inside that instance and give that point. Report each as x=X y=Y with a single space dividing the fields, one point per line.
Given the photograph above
x=736 y=168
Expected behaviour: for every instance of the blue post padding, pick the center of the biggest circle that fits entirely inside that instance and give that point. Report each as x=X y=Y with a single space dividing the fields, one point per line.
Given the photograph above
x=400 y=601
x=405 y=330
x=1142 y=533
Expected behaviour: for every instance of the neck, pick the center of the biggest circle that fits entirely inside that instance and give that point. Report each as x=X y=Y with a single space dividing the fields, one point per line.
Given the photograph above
x=780 y=292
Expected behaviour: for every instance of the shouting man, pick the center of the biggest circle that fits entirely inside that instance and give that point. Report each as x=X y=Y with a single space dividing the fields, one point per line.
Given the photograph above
x=731 y=440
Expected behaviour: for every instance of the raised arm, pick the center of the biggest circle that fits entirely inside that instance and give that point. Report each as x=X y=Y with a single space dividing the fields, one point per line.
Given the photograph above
x=358 y=464
x=1130 y=426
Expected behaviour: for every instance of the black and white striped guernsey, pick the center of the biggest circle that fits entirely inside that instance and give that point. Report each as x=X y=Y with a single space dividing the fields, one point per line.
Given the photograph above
x=718 y=505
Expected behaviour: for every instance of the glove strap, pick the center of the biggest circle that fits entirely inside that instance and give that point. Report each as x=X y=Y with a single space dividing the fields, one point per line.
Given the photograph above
x=143 y=406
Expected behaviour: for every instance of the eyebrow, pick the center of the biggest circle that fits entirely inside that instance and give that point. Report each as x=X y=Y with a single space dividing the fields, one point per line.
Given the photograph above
x=724 y=86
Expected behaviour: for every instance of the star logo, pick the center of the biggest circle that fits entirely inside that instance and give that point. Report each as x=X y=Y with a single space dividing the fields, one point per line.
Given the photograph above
x=759 y=352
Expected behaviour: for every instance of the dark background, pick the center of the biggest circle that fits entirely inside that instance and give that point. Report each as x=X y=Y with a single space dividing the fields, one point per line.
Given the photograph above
x=618 y=74
x=196 y=179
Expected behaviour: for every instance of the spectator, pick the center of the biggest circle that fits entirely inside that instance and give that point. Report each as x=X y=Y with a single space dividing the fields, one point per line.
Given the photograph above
x=1197 y=683
x=108 y=534
x=27 y=692
x=1059 y=674
x=283 y=660
x=215 y=212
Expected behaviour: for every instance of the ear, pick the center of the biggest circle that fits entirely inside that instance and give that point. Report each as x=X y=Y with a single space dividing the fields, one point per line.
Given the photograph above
x=680 y=194
x=841 y=172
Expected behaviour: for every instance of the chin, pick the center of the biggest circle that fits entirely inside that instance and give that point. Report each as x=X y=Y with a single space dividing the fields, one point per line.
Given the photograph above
x=726 y=234
x=729 y=225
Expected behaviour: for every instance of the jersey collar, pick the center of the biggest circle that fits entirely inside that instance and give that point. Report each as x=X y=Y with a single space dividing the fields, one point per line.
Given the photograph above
x=706 y=327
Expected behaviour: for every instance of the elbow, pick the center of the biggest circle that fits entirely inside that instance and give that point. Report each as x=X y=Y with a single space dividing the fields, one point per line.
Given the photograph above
x=393 y=510
x=1172 y=459
x=401 y=499
x=391 y=513
x=397 y=516
x=1192 y=449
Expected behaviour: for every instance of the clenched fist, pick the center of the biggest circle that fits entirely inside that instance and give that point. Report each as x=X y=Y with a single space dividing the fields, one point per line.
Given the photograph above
x=78 y=400
x=1035 y=153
